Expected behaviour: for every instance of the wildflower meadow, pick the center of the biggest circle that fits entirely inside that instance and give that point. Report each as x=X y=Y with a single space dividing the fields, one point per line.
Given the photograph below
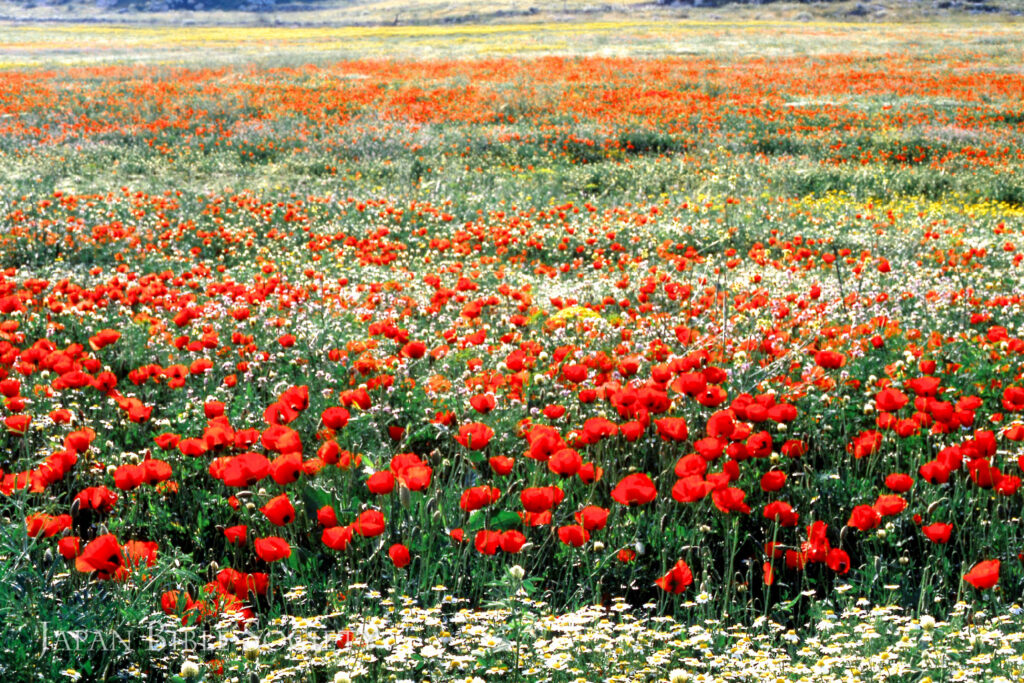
x=661 y=351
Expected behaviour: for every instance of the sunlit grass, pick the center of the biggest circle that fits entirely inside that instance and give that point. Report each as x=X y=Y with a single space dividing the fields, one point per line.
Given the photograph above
x=29 y=45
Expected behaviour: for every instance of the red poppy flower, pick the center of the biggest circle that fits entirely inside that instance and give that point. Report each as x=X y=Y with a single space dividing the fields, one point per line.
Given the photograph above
x=69 y=547
x=98 y=498
x=346 y=637
x=712 y=396
x=512 y=541
x=416 y=478
x=672 y=429
x=573 y=534
x=544 y=442
x=279 y=510
x=891 y=504
x=691 y=465
x=983 y=575
x=1013 y=399
x=575 y=373
x=1014 y=432
x=793 y=448
x=554 y=411
x=381 y=483
x=592 y=517
x=369 y=523
x=690 y=489
x=128 y=477
x=46 y=525
x=838 y=561
x=245 y=438
x=18 y=424
x=730 y=499
x=590 y=473
x=635 y=489
x=138 y=553
x=10 y=388
x=924 y=386
x=212 y=409
x=272 y=548
x=866 y=443
x=899 y=483
x=597 y=428
x=501 y=464
x=864 y=517
x=286 y=468
x=487 y=542
x=483 y=403
x=327 y=517
x=478 y=497
x=475 y=436
x=817 y=545
x=414 y=349
x=709 y=448
x=137 y=412
x=281 y=439
x=279 y=413
x=542 y=498
x=773 y=480
x=677 y=579
x=830 y=359
x=335 y=417
x=170 y=601
x=236 y=535
x=193 y=448
x=934 y=472
x=565 y=462
x=983 y=473
x=631 y=431
x=245 y=469
x=938 y=532
x=759 y=445
x=102 y=555
x=890 y=400
x=1008 y=485
x=782 y=513
x=337 y=537
x=155 y=471
x=239 y=584
x=399 y=555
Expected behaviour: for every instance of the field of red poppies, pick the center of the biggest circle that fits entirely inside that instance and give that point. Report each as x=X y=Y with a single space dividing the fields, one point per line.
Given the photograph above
x=706 y=338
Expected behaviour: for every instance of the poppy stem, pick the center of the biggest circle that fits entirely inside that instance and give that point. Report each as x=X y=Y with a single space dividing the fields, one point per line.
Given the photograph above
x=732 y=557
x=771 y=561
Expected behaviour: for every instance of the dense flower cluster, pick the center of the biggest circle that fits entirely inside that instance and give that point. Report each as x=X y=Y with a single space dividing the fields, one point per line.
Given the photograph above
x=410 y=380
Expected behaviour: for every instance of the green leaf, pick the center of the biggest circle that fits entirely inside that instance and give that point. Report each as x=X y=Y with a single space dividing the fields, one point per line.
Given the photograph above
x=506 y=520
x=475 y=522
x=501 y=521
x=314 y=499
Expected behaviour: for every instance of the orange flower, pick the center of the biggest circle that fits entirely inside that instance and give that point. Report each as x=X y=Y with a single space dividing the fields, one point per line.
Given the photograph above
x=983 y=575
x=677 y=579
x=272 y=548
x=102 y=555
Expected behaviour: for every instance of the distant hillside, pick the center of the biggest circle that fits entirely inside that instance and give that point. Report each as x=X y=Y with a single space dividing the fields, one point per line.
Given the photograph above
x=419 y=12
